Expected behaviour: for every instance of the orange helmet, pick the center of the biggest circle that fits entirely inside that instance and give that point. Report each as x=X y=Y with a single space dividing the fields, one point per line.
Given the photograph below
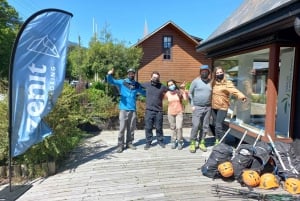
x=292 y=185
x=251 y=178
x=268 y=181
x=225 y=169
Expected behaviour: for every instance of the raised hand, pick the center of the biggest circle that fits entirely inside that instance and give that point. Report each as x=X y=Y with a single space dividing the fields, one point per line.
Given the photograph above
x=111 y=71
x=182 y=86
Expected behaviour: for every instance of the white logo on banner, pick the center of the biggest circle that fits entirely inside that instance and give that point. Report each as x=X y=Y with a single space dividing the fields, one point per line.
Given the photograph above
x=44 y=46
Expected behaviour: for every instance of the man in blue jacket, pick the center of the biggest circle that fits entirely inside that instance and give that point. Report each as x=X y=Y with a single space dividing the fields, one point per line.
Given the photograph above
x=129 y=89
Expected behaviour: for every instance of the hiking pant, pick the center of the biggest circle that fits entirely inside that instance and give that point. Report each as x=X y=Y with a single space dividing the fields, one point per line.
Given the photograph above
x=127 y=122
x=175 y=122
x=218 y=119
x=200 y=116
x=154 y=118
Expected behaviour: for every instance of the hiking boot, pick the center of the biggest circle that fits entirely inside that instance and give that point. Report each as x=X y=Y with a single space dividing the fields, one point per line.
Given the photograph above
x=202 y=146
x=217 y=141
x=130 y=146
x=192 y=146
x=120 y=149
x=173 y=145
x=162 y=145
x=147 y=146
x=180 y=145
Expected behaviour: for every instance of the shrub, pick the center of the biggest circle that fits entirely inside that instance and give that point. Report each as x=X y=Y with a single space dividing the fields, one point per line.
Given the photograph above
x=4 y=131
x=72 y=108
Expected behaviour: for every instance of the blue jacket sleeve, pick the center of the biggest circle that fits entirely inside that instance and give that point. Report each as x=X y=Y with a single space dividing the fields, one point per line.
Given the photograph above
x=113 y=81
x=142 y=91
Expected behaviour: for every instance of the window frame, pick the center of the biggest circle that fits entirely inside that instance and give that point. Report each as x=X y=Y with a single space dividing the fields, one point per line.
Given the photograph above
x=167 y=43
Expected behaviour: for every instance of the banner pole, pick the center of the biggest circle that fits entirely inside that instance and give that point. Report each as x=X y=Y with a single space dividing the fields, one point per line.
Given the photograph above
x=10 y=115
x=9 y=172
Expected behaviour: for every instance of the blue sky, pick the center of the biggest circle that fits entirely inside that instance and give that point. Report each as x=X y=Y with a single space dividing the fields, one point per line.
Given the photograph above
x=125 y=19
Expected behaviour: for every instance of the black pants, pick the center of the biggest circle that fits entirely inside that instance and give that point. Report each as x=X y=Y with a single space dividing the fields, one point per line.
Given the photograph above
x=218 y=119
x=154 y=118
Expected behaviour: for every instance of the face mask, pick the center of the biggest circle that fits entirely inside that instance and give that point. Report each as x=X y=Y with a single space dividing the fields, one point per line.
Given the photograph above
x=204 y=75
x=220 y=77
x=131 y=77
x=172 y=87
x=155 y=81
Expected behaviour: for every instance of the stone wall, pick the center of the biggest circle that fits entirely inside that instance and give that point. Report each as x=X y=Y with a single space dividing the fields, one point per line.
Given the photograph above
x=113 y=123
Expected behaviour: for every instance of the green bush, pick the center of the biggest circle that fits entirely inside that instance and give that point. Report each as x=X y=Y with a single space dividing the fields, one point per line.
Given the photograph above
x=4 y=132
x=258 y=98
x=72 y=108
x=99 y=104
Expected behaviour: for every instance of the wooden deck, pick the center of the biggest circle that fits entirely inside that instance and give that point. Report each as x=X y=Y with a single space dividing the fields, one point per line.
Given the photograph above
x=97 y=172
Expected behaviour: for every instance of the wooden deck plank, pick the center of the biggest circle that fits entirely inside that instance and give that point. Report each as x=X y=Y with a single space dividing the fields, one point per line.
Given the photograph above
x=97 y=172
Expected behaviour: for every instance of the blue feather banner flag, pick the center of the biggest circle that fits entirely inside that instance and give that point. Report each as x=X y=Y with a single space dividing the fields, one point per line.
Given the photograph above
x=37 y=73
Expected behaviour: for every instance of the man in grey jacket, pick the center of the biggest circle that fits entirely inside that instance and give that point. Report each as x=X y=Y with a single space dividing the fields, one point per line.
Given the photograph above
x=200 y=96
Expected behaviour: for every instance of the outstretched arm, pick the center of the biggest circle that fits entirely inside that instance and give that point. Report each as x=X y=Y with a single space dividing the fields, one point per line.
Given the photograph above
x=110 y=78
x=234 y=91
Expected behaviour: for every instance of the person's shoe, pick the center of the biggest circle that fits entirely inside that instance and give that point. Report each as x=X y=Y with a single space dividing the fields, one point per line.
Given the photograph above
x=120 y=149
x=147 y=146
x=192 y=146
x=180 y=145
x=173 y=145
x=217 y=142
x=202 y=146
x=162 y=145
x=130 y=146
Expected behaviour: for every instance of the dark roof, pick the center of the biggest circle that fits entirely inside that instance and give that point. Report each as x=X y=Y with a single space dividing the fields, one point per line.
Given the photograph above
x=194 y=39
x=251 y=19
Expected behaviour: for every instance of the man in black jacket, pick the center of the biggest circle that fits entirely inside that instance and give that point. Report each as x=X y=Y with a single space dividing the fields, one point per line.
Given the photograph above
x=154 y=109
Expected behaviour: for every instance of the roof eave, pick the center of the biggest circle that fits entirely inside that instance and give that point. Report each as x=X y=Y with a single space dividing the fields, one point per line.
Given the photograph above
x=260 y=26
x=194 y=39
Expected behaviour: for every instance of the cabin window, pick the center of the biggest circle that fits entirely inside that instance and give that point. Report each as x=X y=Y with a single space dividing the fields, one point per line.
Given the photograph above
x=167 y=45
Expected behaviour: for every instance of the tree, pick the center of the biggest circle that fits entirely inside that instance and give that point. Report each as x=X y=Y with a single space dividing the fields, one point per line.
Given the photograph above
x=9 y=26
x=106 y=53
x=103 y=54
x=76 y=67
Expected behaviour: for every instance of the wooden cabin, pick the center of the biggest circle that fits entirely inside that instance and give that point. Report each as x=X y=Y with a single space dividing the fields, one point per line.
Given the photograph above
x=172 y=52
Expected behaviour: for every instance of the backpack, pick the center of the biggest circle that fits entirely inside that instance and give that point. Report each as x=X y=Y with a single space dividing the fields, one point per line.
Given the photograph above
x=262 y=161
x=289 y=158
x=220 y=153
x=242 y=159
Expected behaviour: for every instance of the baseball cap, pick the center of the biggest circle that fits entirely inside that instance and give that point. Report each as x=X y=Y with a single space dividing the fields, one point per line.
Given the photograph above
x=130 y=70
x=204 y=67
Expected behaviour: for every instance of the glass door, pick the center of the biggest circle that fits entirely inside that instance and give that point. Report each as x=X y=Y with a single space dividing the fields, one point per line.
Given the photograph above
x=285 y=86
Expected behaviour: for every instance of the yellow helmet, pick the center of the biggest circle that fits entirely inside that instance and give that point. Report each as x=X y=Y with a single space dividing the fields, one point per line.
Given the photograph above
x=268 y=181
x=225 y=169
x=292 y=185
x=251 y=178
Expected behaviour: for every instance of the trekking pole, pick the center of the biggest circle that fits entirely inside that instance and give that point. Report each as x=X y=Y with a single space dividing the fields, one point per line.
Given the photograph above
x=230 y=192
x=220 y=191
x=226 y=133
x=292 y=166
x=258 y=136
x=242 y=139
x=276 y=152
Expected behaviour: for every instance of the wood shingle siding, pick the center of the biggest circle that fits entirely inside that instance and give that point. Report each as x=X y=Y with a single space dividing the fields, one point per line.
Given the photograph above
x=184 y=63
